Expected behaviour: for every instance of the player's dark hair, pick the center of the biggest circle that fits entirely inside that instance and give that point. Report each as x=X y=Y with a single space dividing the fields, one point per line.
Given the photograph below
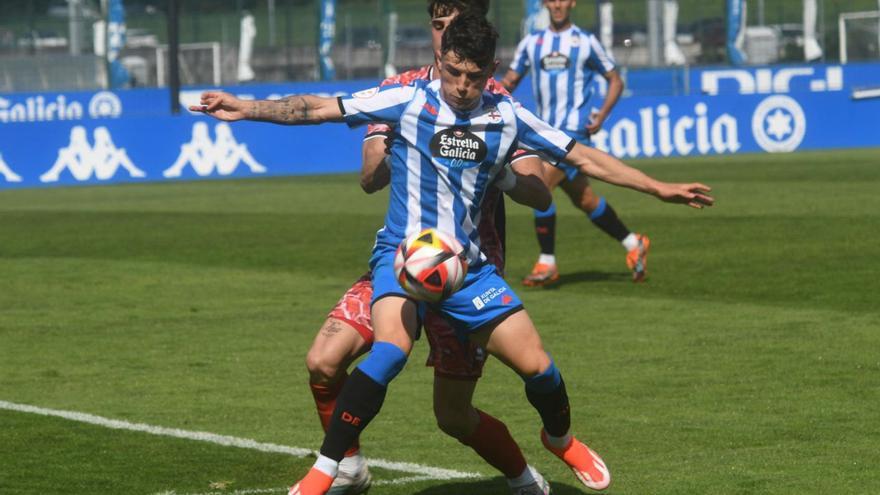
x=471 y=37
x=442 y=8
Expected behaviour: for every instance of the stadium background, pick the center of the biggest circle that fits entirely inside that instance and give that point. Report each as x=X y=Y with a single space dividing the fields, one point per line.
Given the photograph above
x=747 y=364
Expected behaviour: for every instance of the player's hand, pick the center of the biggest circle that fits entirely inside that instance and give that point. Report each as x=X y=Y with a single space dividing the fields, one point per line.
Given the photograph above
x=223 y=106
x=695 y=195
x=596 y=121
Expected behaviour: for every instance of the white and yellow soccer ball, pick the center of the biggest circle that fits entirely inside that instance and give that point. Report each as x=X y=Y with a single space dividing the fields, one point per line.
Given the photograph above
x=430 y=265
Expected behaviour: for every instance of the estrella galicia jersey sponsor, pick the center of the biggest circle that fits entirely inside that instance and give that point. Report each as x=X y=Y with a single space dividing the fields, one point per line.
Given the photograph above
x=563 y=66
x=443 y=161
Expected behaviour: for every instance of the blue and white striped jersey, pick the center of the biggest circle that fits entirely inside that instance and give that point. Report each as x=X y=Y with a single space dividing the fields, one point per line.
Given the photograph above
x=563 y=65
x=443 y=160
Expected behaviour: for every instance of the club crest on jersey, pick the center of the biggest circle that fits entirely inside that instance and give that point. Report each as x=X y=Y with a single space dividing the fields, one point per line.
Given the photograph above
x=555 y=61
x=458 y=148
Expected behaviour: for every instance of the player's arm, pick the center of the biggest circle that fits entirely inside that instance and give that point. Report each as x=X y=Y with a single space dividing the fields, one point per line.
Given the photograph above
x=292 y=110
x=375 y=173
x=606 y=168
x=602 y=62
x=615 y=89
x=511 y=80
x=538 y=135
x=523 y=180
x=519 y=67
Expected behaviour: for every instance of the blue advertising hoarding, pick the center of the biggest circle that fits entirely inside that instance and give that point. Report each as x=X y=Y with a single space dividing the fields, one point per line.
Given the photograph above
x=123 y=136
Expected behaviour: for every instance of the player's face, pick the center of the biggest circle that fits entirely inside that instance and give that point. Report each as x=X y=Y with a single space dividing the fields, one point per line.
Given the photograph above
x=439 y=22
x=462 y=81
x=560 y=11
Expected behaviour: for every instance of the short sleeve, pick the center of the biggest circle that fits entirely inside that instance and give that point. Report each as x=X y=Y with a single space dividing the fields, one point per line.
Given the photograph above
x=599 y=60
x=402 y=79
x=535 y=134
x=385 y=104
x=521 y=63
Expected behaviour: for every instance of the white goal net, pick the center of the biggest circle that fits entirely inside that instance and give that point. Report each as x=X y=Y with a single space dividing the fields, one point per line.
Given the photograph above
x=859 y=36
x=199 y=63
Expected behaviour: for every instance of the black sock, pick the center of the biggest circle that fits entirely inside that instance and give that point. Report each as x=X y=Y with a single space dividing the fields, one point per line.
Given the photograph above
x=358 y=403
x=553 y=408
x=545 y=228
x=606 y=219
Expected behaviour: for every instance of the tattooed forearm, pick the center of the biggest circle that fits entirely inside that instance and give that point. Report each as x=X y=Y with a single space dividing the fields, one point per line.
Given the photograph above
x=290 y=110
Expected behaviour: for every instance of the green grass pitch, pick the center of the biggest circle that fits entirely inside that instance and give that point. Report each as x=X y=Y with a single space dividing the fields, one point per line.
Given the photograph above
x=749 y=362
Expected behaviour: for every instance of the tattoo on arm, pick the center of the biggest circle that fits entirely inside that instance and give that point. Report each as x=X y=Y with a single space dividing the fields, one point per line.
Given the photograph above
x=289 y=110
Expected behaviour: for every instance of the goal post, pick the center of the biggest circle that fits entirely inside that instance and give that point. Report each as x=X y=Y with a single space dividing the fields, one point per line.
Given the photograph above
x=194 y=59
x=861 y=31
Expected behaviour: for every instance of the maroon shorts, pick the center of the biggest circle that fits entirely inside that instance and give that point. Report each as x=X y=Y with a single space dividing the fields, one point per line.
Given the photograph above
x=450 y=357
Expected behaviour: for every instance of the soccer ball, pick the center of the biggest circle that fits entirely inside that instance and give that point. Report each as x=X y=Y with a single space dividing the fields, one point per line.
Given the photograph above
x=430 y=265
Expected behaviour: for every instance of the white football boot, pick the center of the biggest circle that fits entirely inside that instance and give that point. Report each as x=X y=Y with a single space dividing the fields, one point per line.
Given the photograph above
x=538 y=486
x=353 y=478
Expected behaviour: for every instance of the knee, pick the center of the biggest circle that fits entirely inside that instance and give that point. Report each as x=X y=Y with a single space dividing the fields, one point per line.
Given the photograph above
x=453 y=422
x=545 y=380
x=587 y=202
x=323 y=367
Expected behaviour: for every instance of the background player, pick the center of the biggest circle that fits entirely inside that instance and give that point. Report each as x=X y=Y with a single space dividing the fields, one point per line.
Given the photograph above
x=563 y=60
x=347 y=333
x=457 y=101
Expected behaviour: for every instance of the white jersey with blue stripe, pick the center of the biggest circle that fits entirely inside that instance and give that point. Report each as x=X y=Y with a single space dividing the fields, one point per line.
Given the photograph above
x=563 y=66
x=444 y=160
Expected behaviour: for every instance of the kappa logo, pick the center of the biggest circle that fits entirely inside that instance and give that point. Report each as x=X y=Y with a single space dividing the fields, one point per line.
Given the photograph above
x=83 y=160
x=7 y=173
x=458 y=148
x=779 y=124
x=222 y=155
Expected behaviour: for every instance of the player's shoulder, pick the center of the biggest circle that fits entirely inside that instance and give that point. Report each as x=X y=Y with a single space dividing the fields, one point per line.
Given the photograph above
x=408 y=77
x=530 y=40
x=580 y=31
x=496 y=88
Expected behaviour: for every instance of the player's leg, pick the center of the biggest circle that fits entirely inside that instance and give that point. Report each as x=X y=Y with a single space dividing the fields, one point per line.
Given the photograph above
x=457 y=367
x=395 y=324
x=605 y=218
x=515 y=341
x=545 y=272
x=485 y=434
x=336 y=346
x=494 y=315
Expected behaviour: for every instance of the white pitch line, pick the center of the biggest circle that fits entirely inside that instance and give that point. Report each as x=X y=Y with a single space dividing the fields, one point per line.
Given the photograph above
x=422 y=472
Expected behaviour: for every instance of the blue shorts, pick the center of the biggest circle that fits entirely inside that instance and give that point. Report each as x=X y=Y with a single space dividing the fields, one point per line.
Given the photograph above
x=485 y=298
x=584 y=139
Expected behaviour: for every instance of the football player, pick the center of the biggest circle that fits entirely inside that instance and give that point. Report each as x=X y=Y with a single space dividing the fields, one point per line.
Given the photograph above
x=347 y=332
x=564 y=60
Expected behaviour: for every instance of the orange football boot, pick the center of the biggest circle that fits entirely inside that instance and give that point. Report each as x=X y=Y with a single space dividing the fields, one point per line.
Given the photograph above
x=637 y=258
x=316 y=482
x=589 y=468
x=542 y=274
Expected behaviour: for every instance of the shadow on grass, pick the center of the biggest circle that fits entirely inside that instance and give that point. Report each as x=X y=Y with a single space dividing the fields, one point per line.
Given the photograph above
x=492 y=486
x=586 y=276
